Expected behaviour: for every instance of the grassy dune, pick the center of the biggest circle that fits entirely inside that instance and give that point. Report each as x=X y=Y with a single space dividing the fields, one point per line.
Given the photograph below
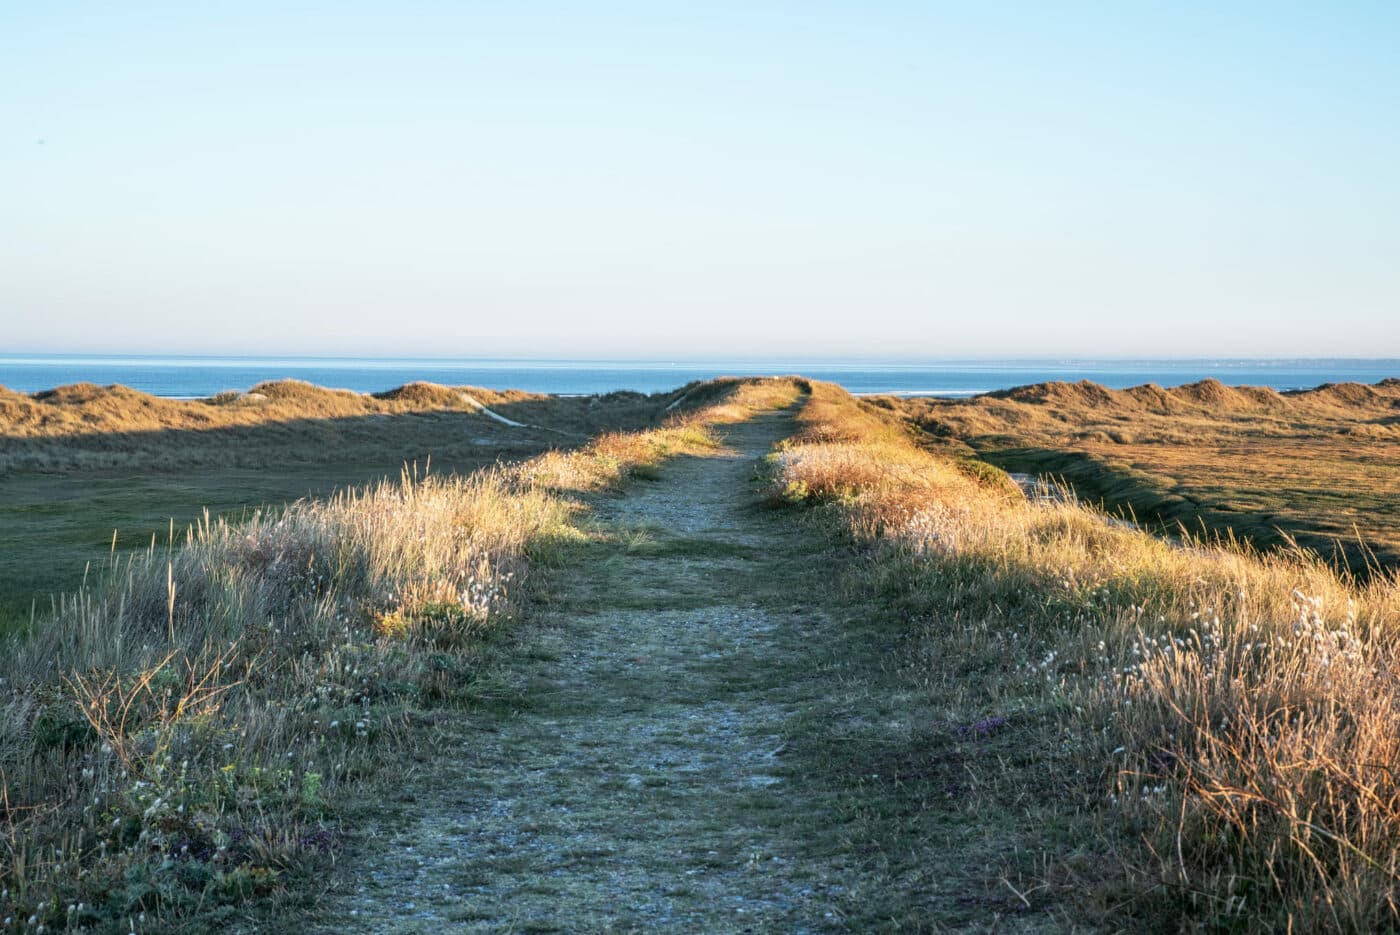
x=1211 y=732
x=82 y=462
x=1319 y=466
x=184 y=733
x=1106 y=728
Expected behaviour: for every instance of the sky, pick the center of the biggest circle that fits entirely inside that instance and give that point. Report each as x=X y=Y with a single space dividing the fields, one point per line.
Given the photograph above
x=907 y=179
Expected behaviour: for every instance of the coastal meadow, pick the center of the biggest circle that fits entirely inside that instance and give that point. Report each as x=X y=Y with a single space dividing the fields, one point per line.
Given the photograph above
x=187 y=730
x=1224 y=723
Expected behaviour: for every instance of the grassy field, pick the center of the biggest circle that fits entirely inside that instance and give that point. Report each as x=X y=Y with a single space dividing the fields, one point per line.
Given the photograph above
x=184 y=734
x=83 y=462
x=955 y=706
x=1320 y=467
x=1185 y=736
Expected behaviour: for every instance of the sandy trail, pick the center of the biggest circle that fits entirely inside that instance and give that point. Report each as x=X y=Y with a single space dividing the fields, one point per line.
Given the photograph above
x=491 y=413
x=639 y=783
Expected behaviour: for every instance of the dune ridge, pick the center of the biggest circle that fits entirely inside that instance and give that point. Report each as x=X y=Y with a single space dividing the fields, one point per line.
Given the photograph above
x=87 y=408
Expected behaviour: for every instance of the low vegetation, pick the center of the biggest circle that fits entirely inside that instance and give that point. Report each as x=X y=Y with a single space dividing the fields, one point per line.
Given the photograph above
x=81 y=463
x=182 y=733
x=1318 y=467
x=1221 y=724
x=85 y=409
x=1100 y=725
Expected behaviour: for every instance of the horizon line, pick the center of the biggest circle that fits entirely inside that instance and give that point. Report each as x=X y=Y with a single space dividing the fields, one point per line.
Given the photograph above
x=19 y=355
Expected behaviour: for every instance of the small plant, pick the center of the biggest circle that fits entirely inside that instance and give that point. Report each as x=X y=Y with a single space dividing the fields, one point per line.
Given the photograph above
x=393 y=623
x=311 y=788
x=796 y=491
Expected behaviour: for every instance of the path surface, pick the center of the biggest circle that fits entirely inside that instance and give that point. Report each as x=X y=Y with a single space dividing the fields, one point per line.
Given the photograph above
x=641 y=785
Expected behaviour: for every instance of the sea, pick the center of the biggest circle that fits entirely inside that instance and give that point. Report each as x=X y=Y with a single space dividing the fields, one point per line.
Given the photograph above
x=192 y=377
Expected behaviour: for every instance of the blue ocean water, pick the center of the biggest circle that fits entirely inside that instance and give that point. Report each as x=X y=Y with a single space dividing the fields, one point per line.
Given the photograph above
x=205 y=376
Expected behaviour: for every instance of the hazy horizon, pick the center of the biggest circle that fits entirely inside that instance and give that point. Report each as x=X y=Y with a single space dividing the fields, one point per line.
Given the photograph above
x=890 y=359
x=630 y=181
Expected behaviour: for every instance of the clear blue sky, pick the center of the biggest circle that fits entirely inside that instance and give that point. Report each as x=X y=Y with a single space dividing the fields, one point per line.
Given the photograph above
x=609 y=178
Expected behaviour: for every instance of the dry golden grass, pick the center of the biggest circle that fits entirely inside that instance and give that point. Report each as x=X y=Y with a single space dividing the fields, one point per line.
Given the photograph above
x=614 y=456
x=180 y=735
x=65 y=492
x=1242 y=709
x=87 y=428
x=1319 y=466
x=85 y=408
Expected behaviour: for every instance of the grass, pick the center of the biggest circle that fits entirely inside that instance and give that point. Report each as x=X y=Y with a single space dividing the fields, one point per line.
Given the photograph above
x=82 y=462
x=1194 y=735
x=1024 y=709
x=106 y=416
x=182 y=734
x=1317 y=467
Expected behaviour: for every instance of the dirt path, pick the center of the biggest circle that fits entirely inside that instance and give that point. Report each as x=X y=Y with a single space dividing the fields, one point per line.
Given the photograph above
x=641 y=785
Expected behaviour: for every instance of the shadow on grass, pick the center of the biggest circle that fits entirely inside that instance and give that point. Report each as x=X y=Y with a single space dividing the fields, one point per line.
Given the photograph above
x=63 y=497
x=1142 y=498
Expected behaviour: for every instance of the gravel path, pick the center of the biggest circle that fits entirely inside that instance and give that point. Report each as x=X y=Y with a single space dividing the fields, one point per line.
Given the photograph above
x=637 y=782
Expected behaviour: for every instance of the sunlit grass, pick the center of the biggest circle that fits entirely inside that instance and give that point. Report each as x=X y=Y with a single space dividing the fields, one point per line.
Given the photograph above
x=80 y=463
x=1241 y=708
x=180 y=734
x=1318 y=466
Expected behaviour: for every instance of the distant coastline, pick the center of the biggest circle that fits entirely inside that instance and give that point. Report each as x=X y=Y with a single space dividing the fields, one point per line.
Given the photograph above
x=193 y=377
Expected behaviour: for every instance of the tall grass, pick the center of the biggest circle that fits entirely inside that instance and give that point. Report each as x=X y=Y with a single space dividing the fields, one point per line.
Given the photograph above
x=1318 y=465
x=178 y=735
x=1242 y=710
x=614 y=456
